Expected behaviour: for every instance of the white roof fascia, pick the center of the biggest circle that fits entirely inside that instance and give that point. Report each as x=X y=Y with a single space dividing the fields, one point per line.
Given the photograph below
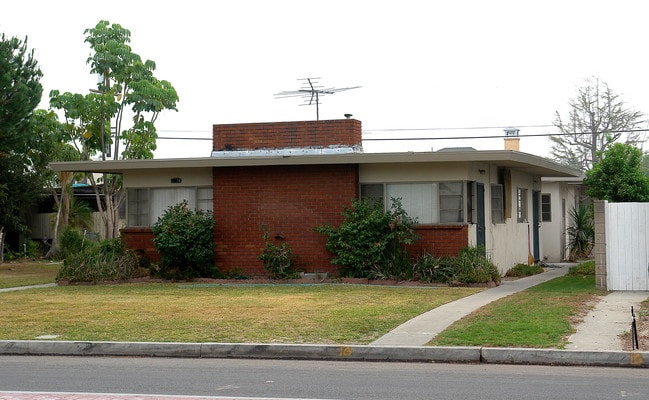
x=509 y=159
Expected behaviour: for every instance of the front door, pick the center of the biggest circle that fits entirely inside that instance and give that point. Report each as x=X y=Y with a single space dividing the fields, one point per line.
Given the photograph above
x=535 y=224
x=480 y=217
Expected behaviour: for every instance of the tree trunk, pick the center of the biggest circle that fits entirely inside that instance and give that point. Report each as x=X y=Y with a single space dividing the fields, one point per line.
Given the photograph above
x=2 y=244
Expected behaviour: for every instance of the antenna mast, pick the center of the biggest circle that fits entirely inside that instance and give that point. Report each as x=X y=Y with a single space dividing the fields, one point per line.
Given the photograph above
x=311 y=91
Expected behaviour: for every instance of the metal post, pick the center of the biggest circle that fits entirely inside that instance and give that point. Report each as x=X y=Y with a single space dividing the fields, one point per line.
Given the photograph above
x=634 y=332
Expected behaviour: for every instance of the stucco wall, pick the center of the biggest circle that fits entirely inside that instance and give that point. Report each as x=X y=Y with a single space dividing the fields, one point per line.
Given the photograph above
x=554 y=238
x=163 y=178
x=506 y=243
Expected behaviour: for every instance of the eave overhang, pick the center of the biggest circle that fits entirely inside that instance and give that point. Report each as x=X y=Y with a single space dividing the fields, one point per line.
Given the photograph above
x=529 y=163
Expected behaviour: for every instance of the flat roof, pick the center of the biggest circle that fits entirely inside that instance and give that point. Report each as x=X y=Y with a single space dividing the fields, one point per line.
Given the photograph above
x=507 y=158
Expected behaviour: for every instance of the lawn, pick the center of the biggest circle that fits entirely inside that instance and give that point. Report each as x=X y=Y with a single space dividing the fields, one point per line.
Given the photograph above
x=542 y=316
x=330 y=313
x=27 y=273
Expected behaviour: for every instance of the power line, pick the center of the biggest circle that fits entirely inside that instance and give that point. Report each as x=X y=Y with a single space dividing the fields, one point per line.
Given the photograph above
x=440 y=138
x=502 y=136
x=458 y=128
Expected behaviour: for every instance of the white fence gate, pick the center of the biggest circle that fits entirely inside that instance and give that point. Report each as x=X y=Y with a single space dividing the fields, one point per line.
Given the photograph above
x=627 y=246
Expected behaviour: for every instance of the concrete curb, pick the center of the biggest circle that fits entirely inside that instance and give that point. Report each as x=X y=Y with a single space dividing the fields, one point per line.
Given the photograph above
x=639 y=359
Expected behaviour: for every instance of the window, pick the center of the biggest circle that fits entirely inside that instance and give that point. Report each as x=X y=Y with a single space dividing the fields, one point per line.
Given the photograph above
x=429 y=203
x=546 y=209
x=521 y=205
x=145 y=206
x=497 y=204
x=450 y=202
x=373 y=193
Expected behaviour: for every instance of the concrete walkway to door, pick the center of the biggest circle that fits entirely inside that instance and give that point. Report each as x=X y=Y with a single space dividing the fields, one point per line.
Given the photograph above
x=421 y=329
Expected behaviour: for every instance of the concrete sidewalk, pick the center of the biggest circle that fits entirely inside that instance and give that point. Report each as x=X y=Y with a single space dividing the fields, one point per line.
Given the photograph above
x=609 y=318
x=421 y=329
x=13 y=289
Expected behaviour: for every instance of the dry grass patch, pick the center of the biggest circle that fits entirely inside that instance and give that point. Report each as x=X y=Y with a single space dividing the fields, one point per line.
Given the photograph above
x=203 y=313
x=27 y=273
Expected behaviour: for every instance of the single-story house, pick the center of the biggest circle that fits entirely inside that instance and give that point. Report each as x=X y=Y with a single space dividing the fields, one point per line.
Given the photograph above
x=293 y=176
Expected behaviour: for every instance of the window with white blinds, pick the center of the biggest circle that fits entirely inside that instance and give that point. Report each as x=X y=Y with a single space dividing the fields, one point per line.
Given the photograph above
x=428 y=202
x=145 y=206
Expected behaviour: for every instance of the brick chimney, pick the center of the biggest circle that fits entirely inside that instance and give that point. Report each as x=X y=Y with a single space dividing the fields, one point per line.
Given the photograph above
x=512 y=140
x=287 y=135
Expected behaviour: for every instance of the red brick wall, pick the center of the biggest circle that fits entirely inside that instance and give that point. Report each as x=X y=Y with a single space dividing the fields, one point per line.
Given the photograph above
x=289 y=200
x=440 y=240
x=140 y=239
x=273 y=135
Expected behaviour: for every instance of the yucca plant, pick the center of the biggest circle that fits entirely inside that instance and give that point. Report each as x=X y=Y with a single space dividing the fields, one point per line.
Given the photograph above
x=581 y=232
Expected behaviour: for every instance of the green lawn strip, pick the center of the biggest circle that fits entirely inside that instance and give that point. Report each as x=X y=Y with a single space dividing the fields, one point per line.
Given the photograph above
x=27 y=273
x=540 y=317
x=352 y=314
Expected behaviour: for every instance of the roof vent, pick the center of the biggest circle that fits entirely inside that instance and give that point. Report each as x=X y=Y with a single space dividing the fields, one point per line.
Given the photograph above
x=511 y=132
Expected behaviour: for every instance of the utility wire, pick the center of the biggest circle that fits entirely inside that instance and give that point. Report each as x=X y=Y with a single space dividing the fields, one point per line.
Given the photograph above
x=440 y=138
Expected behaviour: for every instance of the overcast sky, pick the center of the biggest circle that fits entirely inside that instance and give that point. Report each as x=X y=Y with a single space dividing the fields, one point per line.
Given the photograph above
x=420 y=64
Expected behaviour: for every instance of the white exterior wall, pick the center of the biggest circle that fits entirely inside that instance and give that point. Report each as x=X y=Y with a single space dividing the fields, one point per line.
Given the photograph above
x=554 y=234
x=162 y=178
x=506 y=243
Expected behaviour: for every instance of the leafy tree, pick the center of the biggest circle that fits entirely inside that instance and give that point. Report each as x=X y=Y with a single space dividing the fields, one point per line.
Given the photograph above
x=20 y=93
x=96 y=122
x=50 y=144
x=618 y=175
x=597 y=119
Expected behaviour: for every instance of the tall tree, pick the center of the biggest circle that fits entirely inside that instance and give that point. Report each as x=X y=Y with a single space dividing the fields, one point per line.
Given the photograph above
x=51 y=144
x=20 y=93
x=97 y=122
x=618 y=175
x=597 y=119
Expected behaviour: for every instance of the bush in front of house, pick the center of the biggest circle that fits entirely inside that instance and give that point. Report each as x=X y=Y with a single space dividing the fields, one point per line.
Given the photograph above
x=370 y=242
x=184 y=240
x=88 y=261
x=279 y=260
x=585 y=268
x=71 y=242
x=520 y=270
x=430 y=268
x=470 y=266
x=473 y=266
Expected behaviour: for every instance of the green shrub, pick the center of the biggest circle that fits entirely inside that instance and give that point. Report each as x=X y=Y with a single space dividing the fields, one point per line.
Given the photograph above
x=278 y=259
x=71 y=242
x=524 y=270
x=473 y=266
x=581 y=232
x=184 y=240
x=429 y=268
x=370 y=242
x=107 y=260
x=583 y=269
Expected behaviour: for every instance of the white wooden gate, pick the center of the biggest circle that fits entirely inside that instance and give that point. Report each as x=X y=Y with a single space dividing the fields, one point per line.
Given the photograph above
x=627 y=246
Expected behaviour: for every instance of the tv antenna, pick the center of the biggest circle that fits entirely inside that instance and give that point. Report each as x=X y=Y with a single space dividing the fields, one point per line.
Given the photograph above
x=311 y=91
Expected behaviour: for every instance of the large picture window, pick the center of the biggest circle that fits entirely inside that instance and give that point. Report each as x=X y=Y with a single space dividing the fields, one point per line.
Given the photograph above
x=145 y=206
x=429 y=203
